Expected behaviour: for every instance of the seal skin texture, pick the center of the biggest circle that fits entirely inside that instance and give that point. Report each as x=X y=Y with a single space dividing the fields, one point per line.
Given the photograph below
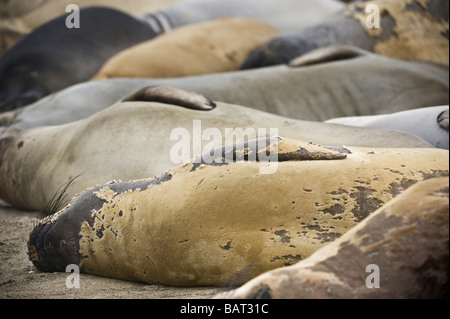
x=211 y=222
x=409 y=30
x=407 y=239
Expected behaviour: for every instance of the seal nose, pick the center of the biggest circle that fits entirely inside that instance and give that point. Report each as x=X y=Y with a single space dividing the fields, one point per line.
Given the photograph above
x=54 y=242
x=36 y=249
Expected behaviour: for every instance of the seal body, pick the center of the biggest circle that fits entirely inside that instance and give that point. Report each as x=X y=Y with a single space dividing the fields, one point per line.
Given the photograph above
x=216 y=222
x=285 y=15
x=19 y=18
x=290 y=91
x=404 y=244
x=38 y=64
x=104 y=147
x=423 y=122
x=408 y=30
x=210 y=47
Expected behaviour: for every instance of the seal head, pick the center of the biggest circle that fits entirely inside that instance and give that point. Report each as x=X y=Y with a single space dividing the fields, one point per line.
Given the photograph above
x=54 y=242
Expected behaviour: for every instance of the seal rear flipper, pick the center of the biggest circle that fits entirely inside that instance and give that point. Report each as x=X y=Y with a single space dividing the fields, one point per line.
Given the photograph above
x=443 y=120
x=170 y=95
x=328 y=54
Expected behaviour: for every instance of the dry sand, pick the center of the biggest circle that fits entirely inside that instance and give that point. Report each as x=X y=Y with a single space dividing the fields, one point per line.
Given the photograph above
x=20 y=280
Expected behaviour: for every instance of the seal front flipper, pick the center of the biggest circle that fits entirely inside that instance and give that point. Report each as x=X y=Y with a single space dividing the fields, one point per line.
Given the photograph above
x=443 y=120
x=170 y=95
x=328 y=54
x=274 y=149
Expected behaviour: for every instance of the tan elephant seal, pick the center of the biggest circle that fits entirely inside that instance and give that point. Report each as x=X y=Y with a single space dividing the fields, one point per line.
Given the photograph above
x=209 y=47
x=134 y=139
x=404 y=243
x=219 y=220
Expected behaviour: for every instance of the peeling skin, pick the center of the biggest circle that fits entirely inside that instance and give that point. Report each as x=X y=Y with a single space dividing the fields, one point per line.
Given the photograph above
x=415 y=31
x=398 y=238
x=276 y=149
x=106 y=194
x=228 y=224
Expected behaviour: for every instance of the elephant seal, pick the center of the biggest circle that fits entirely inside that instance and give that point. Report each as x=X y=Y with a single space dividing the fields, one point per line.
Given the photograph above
x=406 y=240
x=215 y=221
x=155 y=137
x=16 y=22
x=290 y=91
x=286 y=15
x=409 y=30
x=430 y=123
x=210 y=47
x=53 y=57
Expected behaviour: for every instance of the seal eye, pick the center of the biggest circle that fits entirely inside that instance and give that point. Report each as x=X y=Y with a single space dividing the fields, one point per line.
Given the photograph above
x=173 y=96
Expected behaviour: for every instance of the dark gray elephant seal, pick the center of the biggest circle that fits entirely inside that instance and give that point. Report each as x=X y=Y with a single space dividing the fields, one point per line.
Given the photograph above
x=53 y=57
x=292 y=91
x=220 y=219
x=408 y=31
x=430 y=123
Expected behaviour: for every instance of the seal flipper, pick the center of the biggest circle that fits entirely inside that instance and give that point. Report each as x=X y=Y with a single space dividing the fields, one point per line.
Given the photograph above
x=275 y=149
x=443 y=120
x=170 y=95
x=328 y=54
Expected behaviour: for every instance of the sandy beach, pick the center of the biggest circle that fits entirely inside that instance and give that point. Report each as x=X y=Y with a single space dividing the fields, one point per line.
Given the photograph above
x=20 y=280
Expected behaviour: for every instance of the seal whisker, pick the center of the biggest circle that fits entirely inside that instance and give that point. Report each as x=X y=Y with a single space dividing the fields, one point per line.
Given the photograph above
x=59 y=199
